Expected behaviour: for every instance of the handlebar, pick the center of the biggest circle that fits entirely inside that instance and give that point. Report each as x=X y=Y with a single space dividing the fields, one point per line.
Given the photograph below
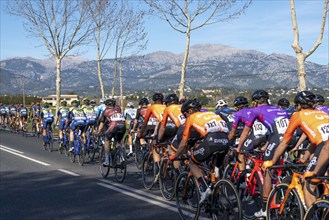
x=284 y=166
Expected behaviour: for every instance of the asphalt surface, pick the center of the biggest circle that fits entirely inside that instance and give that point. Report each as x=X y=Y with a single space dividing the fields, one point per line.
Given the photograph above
x=37 y=184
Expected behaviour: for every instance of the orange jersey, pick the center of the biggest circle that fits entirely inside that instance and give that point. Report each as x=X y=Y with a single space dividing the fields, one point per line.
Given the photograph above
x=174 y=113
x=204 y=123
x=314 y=123
x=154 y=113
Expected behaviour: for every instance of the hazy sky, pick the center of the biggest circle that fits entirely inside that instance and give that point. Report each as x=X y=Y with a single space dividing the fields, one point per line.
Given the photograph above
x=266 y=26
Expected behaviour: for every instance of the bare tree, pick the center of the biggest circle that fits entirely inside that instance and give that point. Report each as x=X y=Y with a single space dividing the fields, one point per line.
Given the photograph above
x=300 y=56
x=189 y=15
x=130 y=40
x=104 y=15
x=60 y=24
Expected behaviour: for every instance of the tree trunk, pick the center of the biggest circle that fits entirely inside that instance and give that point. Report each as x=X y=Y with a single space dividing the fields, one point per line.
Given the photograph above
x=114 y=77
x=187 y=49
x=58 y=81
x=301 y=71
x=121 y=88
x=100 y=77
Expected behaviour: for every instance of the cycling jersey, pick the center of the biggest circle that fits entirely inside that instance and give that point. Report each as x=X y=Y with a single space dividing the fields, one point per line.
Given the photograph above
x=113 y=118
x=78 y=118
x=174 y=113
x=90 y=116
x=100 y=110
x=22 y=112
x=12 y=110
x=48 y=117
x=290 y=111
x=3 y=110
x=154 y=114
x=227 y=114
x=140 y=114
x=130 y=113
x=62 y=114
x=323 y=108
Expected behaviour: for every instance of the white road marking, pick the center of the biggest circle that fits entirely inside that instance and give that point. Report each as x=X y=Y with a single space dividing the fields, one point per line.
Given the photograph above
x=25 y=157
x=140 y=197
x=11 y=149
x=68 y=172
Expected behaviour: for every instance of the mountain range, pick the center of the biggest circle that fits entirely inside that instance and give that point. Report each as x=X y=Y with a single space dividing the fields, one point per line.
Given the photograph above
x=209 y=66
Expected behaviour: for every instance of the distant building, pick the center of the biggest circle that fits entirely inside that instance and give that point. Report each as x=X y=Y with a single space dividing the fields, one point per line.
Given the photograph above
x=52 y=99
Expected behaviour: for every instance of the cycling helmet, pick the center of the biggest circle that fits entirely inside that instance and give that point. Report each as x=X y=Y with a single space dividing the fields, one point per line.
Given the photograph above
x=130 y=105
x=45 y=104
x=171 y=99
x=260 y=96
x=305 y=98
x=240 y=100
x=284 y=103
x=182 y=100
x=110 y=102
x=319 y=99
x=63 y=103
x=157 y=97
x=143 y=101
x=193 y=103
x=75 y=102
x=102 y=100
x=221 y=103
x=86 y=101
x=92 y=102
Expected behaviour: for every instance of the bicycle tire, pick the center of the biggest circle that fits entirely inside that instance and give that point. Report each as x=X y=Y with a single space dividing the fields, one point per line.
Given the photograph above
x=275 y=200
x=72 y=156
x=187 y=197
x=167 y=179
x=251 y=199
x=225 y=201
x=82 y=154
x=104 y=170
x=92 y=149
x=227 y=174
x=120 y=166
x=148 y=171
x=51 y=142
x=318 y=211
x=139 y=155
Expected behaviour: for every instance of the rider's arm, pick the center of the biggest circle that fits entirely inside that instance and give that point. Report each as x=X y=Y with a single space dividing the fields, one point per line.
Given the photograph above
x=146 y=119
x=231 y=134
x=302 y=138
x=243 y=137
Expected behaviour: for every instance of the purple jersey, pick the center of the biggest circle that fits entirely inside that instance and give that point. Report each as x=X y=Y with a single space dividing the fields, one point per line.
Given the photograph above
x=240 y=117
x=323 y=108
x=272 y=117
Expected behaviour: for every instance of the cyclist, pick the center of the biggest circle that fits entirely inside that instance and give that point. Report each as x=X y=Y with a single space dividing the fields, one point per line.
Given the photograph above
x=212 y=130
x=12 y=113
x=93 y=104
x=77 y=119
x=23 y=114
x=100 y=109
x=276 y=121
x=36 y=115
x=139 y=120
x=152 y=118
x=90 y=115
x=315 y=125
x=225 y=113
x=62 y=114
x=130 y=113
x=3 y=114
x=47 y=118
x=319 y=100
x=285 y=105
x=114 y=122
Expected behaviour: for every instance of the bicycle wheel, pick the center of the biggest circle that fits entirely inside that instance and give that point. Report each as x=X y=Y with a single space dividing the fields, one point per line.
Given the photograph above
x=250 y=192
x=120 y=166
x=60 y=148
x=318 y=211
x=167 y=179
x=50 y=142
x=293 y=208
x=187 y=196
x=92 y=149
x=148 y=171
x=82 y=154
x=139 y=155
x=228 y=171
x=225 y=201
x=104 y=170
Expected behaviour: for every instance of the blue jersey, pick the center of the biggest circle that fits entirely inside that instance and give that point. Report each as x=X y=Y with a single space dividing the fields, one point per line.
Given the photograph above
x=100 y=110
x=47 y=115
x=63 y=113
x=22 y=112
x=227 y=114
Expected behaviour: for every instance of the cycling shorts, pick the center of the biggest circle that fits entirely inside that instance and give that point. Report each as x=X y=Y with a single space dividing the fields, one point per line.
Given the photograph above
x=76 y=124
x=213 y=142
x=45 y=123
x=61 y=126
x=312 y=164
x=273 y=143
x=169 y=133
x=117 y=132
x=253 y=142
x=177 y=139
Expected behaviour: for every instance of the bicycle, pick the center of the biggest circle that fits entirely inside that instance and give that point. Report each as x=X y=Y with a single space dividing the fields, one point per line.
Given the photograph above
x=49 y=141
x=64 y=145
x=286 y=200
x=79 y=149
x=117 y=161
x=320 y=208
x=90 y=148
x=224 y=201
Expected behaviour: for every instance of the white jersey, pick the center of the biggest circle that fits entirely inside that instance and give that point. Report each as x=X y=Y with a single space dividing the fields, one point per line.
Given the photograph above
x=130 y=113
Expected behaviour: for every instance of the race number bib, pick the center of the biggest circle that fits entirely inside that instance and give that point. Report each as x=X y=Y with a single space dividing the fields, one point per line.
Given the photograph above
x=117 y=117
x=324 y=131
x=281 y=124
x=230 y=118
x=215 y=126
x=91 y=115
x=181 y=119
x=259 y=129
x=79 y=116
x=152 y=121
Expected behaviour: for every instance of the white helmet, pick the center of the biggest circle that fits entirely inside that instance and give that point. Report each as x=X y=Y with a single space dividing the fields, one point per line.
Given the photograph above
x=102 y=100
x=221 y=103
x=130 y=104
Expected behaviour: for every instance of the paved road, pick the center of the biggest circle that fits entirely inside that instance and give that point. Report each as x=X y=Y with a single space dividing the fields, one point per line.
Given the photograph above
x=36 y=184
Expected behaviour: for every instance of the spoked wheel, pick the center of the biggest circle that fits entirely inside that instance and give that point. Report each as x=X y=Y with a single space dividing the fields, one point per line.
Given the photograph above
x=230 y=174
x=292 y=207
x=104 y=170
x=72 y=156
x=319 y=210
x=51 y=143
x=250 y=193
x=148 y=171
x=82 y=154
x=139 y=155
x=187 y=197
x=120 y=166
x=167 y=179
x=226 y=203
